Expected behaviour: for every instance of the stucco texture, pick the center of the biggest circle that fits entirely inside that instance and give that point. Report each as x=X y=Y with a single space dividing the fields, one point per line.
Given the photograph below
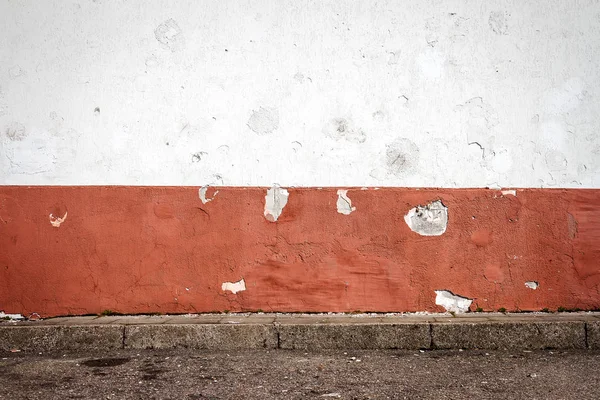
x=140 y=250
x=301 y=93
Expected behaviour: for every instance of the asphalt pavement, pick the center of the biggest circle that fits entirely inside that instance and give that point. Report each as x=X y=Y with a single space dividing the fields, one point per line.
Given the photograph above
x=293 y=374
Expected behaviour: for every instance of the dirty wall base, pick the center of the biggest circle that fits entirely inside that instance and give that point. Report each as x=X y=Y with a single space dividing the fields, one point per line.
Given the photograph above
x=87 y=249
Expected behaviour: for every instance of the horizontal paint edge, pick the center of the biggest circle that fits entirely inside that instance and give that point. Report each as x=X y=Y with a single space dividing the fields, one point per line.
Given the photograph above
x=243 y=187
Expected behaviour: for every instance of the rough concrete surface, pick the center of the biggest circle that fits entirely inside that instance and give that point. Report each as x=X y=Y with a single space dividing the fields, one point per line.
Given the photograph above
x=509 y=335
x=59 y=338
x=312 y=331
x=280 y=374
x=354 y=336
x=213 y=337
x=593 y=334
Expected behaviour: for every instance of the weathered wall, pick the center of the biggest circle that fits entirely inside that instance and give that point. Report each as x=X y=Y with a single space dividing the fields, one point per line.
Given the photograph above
x=301 y=93
x=136 y=250
x=309 y=94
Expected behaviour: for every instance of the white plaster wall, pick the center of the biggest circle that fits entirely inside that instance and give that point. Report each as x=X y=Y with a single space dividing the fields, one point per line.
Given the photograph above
x=300 y=93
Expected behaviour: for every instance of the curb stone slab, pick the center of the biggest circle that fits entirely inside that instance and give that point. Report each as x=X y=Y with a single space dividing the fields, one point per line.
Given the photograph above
x=593 y=335
x=305 y=331
x=59 y=338
x=200 y=336
x=349 y=336
x=509 y=335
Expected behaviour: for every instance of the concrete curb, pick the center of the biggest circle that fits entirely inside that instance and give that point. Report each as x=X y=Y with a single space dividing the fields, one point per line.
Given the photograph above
x=354 y=336
x=201 y=336
x=510 y=335
x=57 y=338
x=306 y=332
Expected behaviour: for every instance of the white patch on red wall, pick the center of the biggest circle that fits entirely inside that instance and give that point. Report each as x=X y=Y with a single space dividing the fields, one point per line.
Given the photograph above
x=452 y=302
x=428 y=220
x=202 y=192
x=275 y=201
x=12 y=317
x=532 y=285
x=56 y=221
x=234 y=287
x=344 y=204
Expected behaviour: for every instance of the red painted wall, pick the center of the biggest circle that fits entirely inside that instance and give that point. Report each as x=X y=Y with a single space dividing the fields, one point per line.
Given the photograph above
x=160 y=249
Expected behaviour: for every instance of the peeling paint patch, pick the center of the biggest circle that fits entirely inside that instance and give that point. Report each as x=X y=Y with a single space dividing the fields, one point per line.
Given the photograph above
x=342 y=128
x=509 y=192
x=275 y=201
x=202 y=194
x=56 y=221
x=169 y=35
x=32 y=317
x=401 y=157
x=3 y=315
x=429 y=220
x=452 y=302
x=263 y=121
x=556 y=161
x=15 y=72
x=16 y=131
x=234 y=287
x=344 y=204
x=532 y=285
x=498 y=22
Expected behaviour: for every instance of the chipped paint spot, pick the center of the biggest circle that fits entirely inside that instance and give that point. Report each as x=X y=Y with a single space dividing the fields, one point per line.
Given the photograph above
x=429 y=220
x=344 y=204
x=263 y=121
x=452 y=302
x=169 y=35
x=56 y=221
x=234 y=287
x=532 y=285
x=401 y=157
x=275 y=201
x=32 y=317
x=509 y=192
x=202 y=194
x=3 y=315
